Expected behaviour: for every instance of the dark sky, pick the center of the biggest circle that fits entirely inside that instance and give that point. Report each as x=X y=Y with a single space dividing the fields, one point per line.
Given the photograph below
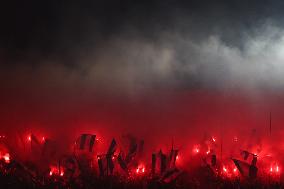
x=121 y=65
x=61 y=28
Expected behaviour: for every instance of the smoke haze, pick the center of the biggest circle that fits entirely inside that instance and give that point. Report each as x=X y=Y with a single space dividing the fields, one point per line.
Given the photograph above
x=179 y=71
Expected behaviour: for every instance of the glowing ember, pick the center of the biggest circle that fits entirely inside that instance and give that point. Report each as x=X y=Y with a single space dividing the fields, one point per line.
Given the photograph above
x=224 y=169
x=62 y=174
x=50 y=173
x=214 y=139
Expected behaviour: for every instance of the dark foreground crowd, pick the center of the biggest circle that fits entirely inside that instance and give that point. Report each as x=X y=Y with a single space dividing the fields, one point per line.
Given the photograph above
x=184 y=181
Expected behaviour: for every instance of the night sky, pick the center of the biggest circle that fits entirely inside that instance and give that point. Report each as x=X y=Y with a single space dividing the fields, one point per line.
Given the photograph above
x=165 y=67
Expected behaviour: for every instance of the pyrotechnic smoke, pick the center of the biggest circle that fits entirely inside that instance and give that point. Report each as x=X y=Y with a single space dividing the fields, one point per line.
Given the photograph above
x=162 y=83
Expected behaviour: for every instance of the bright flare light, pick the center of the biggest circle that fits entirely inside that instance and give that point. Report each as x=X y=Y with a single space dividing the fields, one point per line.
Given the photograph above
x=196 y=149
x=6 y=158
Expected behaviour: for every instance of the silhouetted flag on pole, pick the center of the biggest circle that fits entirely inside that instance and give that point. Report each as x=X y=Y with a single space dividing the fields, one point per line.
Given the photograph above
x=213 y=160
x=245 y=154
x=243 y=167
x=121 y=162
x=35 y=145
x=86 y=141
x=170 y=175
x=154 y=160
x=92 y=142
x=49 y=148
x=112 y=147
x=163 y=165
x=101 y=166
x=132 y=151
x=172 y=158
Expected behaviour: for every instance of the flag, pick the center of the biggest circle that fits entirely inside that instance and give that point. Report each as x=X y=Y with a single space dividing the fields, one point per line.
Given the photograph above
x=243 y=167
x=213 y=160
x=172 y=158
x=132 y=151
x=105 y=162
x=112 y=147
x=163 y=162
x=48 y=149
x=110 y=164
x=154 y=159
x=86 y=141
x=36 y=147
x=121 y=162
x=101 y=166
x=245 y=154
x=254 y=160
x=170 y=175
